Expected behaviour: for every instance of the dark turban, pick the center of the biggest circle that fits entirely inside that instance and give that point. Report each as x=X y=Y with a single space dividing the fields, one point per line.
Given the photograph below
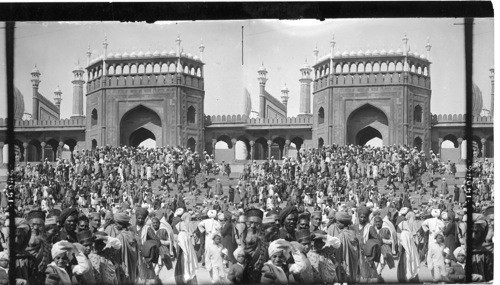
x=363 y=210
x=141 y=212
x=287 y=211
x=343 y=217
x=68 y=212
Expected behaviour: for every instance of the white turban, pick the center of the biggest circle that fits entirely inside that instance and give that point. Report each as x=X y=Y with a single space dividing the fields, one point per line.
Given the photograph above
x=212 y=214
x=4 y=255
x=220 y=216
x=435 y=213
x=403 y=211
x=444 y=216
x=61 y=247
x=369 y=205
x=278 y=246
x=179 y=212
x=332 y=241
x=458 y=250
x=238 y=251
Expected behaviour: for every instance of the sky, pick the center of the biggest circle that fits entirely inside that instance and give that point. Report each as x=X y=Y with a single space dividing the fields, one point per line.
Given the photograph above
x=282 y=46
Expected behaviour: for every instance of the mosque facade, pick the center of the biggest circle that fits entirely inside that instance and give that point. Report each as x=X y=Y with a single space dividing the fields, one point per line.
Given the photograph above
x=356 y=96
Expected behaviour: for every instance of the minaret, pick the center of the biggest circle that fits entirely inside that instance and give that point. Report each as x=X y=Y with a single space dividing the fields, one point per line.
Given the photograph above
x=428 y=48
x=305 y=90
x=35 y=82
x=262 y=82
x=405 y=52
x=492 y=78
x=58 y=98
x=78 y=92
x=316 y=51
x=284 y=96
x=202 y=48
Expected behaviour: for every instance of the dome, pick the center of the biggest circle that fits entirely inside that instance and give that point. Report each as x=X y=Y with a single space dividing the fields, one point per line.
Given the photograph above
x=164 y=53
x=118 y=55
x=368 y=52
x=58 y=90
x=172 y=52
x=140 y=54
x=133 y=54
x=422 y=56
x=416 y=54
x=352 y=53
x=262 y=68
x=338 y=54
x=183 y=54
x=125 y=55
x=148 y=54
x=375 y=52
x=110 y=55
x=477 y=100
x=18 y=104
x=196 y=57
x=285 y=89
x=361 y=53
x=391 y=51
x=383 y=52
x=35 y=70
x=345 y=54
x=399 y=51
x=156 y=53
x=189 y=55
x=410 y=53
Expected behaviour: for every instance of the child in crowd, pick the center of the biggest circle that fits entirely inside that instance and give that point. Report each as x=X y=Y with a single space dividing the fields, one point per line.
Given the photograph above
x=235 y=274
x=435 y=258
x=215 y=260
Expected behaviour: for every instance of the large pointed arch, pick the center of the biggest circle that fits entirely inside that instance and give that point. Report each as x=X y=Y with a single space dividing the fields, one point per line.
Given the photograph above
x=365 y=123
x=140 y=117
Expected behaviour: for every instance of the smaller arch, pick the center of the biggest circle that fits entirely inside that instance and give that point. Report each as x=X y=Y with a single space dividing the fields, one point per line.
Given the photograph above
x=186 y=69
x=157 y=68
x=450 y=138
x=399 y=66
x=376 y=67
x=126 y=70
x=198 y=72
x=172 y=68
x=425 y=71
x=368 y=67
x=191 y=144
x=141 y=69
x=149 y=68
x=321 y=142
x=321 y=115
x=118 y=70
x=93 y=117
x=361 y=67
x=164 y=68
x=133 y=69
x=191 y=115
x=391 y=67
x=94 y=144
x=353 y=68
x=417 y=114
x=412 y=69
x=111 y=70
x=338 y=68
x=417 y=142
x=345 y=68
x=419 y=69
x=383 y=67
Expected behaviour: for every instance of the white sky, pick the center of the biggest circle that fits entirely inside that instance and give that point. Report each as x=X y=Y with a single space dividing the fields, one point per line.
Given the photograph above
x=283 y=47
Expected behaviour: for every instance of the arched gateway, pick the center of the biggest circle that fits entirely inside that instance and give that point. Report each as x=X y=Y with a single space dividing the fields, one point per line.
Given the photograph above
x=138 y=125
x=365 y=123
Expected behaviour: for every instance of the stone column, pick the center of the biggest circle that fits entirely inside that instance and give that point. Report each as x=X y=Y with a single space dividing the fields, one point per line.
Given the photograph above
x=286 y=148
x=252 y=143
x=25 y=145
x=460 y=140
x=483 y=148
x=43 y=144
x=60 y=149
x=440 y=141
x=214 y=141
x=233 y=141
x=269 y=143
x=2 y=144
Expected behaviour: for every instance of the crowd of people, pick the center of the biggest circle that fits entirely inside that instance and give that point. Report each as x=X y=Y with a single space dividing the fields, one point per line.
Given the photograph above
x=346 y=214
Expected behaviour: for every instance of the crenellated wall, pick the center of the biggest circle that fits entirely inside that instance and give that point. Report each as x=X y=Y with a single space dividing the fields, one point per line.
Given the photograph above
x=459 y=118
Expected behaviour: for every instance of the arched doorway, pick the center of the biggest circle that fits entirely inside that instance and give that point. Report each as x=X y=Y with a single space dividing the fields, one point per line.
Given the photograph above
x=34 y=150
x=366 y=123
x=277 y=148
x=191 y=144
x=242 y=148
x=489 y=147
x=321 y=142
x=261 y=149
x=140 y=124
x=140 y=135
x=417 y=142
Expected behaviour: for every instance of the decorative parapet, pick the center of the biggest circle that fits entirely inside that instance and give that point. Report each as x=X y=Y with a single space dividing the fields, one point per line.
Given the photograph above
x=81 y=122
x=459 y=118
x=243 y=119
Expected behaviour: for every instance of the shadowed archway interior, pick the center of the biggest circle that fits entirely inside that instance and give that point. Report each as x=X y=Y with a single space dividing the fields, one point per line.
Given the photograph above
x=140 y=135
x=139 y=124
x=365 y=123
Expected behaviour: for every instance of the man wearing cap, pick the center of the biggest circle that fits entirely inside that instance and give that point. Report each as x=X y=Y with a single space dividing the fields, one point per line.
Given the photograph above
x=253 y=245
x=143 y=233
x=368 y=244
x=38 y=246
